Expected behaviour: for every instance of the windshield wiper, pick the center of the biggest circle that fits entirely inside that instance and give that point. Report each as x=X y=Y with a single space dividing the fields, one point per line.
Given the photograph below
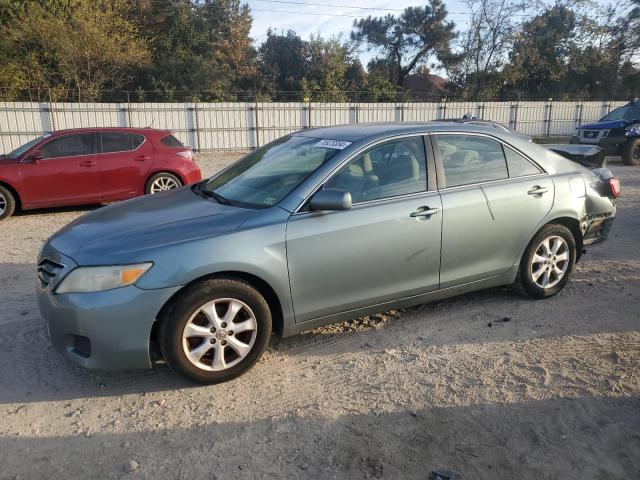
x=219 y=198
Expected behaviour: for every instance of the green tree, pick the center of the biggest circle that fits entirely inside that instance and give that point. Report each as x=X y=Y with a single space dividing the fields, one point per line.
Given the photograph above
x=485 y=44
x=409 y=40
x=541 y=51
x=84 y=45
x=282 y=62
x=196 y=46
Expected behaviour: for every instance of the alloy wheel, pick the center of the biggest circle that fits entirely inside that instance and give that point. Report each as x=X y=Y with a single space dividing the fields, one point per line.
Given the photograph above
x=3 y=204
x=162 y=184
x=550 y=262
x=220 y=334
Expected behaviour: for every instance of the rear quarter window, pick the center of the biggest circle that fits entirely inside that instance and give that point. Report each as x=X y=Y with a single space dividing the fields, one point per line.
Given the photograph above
x=120 y=141
x=171 y=141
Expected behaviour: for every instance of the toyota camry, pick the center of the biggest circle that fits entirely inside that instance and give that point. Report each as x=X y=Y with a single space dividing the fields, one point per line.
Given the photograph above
x=316 y=227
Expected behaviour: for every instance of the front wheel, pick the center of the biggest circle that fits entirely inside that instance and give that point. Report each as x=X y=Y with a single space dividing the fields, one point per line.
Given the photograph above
x=7 y=203
x=215 y=330
x=547 y=262
x=631 y=152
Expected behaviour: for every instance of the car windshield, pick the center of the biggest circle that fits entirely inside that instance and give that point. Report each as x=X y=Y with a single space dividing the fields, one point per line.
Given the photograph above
x=627 y=112
x=265 y=176
x=23 y=148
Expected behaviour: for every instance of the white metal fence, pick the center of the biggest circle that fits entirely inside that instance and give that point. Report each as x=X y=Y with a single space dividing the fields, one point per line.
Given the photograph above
x=242 y=125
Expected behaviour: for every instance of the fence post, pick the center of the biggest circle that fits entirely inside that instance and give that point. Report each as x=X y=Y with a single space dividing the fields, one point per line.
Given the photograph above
x=255 y=125
x=309 y=114
x=52 y=116
x=129 y=110
x=194 y=121
x=548 y=119
x=579 y=107
x=513 y=116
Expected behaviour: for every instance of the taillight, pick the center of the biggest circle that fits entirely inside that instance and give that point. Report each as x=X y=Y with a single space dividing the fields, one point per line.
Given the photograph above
x=614 y=186
x=188 y=154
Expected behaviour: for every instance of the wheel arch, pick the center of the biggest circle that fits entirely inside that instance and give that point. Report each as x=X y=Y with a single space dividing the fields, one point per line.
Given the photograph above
x=258 y=283
x=14 y=192
x=573 y=225
x=164 y=170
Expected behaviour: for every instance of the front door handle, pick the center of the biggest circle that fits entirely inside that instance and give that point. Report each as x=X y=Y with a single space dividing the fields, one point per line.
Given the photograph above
x=141 y=158
x=87 y=163
x=424 y=212
x=537 y=190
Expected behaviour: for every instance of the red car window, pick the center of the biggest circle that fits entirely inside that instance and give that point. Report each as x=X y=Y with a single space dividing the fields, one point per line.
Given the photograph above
x=171 y=141
x=120 y=141
x=69 y=146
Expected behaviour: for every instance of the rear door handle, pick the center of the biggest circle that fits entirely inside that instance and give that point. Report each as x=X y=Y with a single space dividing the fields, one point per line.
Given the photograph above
x=424 y=212
x=87 y=163
x=141 y=158
x=538 y=190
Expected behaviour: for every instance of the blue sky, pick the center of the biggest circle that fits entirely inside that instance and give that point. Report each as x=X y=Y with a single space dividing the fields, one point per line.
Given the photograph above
x=337 y=17
x=328 y=20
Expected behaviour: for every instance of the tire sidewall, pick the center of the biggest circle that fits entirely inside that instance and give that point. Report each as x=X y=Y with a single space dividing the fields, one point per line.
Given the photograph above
x=188 y=303
x=627 y=152
x=11 y=203
x=155 y=176
x=525 y=276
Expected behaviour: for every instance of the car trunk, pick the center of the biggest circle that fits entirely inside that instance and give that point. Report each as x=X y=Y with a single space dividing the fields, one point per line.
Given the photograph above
x=589 y=156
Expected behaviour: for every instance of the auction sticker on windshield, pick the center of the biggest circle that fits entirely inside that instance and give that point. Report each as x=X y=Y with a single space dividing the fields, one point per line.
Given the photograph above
x=337 y=144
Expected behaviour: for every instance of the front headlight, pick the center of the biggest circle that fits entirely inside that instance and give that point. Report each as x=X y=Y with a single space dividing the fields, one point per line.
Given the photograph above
x=96 y=279
x=632 y=130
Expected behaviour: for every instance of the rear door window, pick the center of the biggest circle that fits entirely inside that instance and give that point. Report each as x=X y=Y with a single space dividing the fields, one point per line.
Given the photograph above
x=120 y=141
x=69 y=146
x=468 y=159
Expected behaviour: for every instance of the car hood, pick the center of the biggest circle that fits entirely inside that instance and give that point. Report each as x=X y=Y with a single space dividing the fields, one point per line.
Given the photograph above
x=128 y=229
x=607 y=124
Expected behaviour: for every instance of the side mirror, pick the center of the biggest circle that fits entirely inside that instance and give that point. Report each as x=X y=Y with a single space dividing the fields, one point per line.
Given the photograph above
x=34 y=157
x=330 y=199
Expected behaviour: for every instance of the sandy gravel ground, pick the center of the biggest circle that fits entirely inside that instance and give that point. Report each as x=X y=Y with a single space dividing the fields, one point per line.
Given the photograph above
x=553 y=393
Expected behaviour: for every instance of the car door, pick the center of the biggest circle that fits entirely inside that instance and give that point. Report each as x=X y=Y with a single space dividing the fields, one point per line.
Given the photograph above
x=386 y=247
x=490 y=206
x=124 y=160
x=67 y=173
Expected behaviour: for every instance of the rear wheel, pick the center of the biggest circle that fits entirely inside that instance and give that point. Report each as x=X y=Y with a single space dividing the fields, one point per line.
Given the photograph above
x=547 y=262
x=631 y=152
x=161 y=182
x=216 y=330
x=7 y=203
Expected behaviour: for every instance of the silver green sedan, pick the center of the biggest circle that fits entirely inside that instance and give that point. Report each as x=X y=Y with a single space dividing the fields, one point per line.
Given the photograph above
x=317 y=227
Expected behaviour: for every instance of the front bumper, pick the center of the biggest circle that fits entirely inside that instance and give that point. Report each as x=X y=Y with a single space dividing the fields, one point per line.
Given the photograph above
x=107 y=330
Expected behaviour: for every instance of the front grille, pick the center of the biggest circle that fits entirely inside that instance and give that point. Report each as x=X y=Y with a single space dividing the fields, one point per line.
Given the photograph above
x=47 y=271
x=590 y=133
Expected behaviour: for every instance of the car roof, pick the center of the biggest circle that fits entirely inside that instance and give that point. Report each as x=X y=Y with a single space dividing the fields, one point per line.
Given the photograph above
x=108 y=129
x=372 y=131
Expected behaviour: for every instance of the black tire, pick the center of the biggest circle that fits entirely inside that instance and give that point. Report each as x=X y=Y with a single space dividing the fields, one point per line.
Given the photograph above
x=631 y=152
x=525 y=283
x=175 y=318
x=159 y=176
x=7 y=203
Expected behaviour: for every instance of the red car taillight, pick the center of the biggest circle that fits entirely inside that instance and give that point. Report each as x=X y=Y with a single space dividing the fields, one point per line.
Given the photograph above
x=188 y=154
x=614 y=185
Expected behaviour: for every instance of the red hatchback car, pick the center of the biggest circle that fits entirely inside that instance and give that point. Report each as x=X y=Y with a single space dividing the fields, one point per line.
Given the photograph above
x=93 y=165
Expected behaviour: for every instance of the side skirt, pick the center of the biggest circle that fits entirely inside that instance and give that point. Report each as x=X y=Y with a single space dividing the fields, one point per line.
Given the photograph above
x=503 y=279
